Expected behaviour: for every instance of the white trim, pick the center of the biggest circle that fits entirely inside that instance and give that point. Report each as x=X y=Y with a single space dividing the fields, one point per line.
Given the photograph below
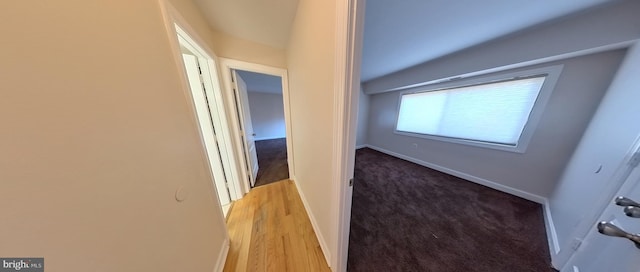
x=361 y=146
x=552 y=235
x=227 y=65
x=478 y=180
x=222 y=257
x=618 y=177
x=210 y=75
x=269 y=138
x=207 y=124
x=584 y=52
x=349 y=31
x=175 y=24
x=314 y=223
x=214 y=94
x=172 y=18
x=578 y=245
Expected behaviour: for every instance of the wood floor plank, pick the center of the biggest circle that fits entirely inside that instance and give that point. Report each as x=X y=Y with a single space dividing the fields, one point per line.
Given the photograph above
x=270 y=231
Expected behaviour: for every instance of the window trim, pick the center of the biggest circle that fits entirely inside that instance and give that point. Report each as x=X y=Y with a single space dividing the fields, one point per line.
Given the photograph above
x=552 y=74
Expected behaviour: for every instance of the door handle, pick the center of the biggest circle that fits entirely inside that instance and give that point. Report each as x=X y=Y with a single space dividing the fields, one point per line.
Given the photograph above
x=609 y=229
x=623 y=201
x=632 y=211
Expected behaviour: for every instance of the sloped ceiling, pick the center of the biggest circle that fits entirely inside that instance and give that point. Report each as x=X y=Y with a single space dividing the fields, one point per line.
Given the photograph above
x=262 y=21
x=398 y=33
x=401 y=34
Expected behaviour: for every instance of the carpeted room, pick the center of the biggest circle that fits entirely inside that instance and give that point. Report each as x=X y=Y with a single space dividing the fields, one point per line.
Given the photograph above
x=272 y=158
x=491 y=217
x=410 y=216
x=267 y=121
x=406 y=217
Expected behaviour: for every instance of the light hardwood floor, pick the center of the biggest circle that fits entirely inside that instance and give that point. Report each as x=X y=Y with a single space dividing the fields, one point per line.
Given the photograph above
x=270 y=231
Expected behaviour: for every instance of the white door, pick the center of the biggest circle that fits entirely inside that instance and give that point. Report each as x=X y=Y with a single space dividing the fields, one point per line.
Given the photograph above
x=206 y=126
x=242 y=100
x=599 y=252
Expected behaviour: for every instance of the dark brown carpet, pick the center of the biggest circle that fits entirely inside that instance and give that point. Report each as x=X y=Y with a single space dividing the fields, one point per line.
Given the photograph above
x=406 y=217
x=272 y=159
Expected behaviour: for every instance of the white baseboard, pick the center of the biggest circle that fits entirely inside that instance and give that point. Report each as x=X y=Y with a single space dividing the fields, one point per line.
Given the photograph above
x=268 y=138
x=362 y=146
x=314 y=224
x=222 y=258
x=478 y=180
x=552 y=235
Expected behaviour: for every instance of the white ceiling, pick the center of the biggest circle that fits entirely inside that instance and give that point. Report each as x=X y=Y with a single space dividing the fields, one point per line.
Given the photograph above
x=398 y=33
x=401 y=34
x=261 y=83
x=262 y=21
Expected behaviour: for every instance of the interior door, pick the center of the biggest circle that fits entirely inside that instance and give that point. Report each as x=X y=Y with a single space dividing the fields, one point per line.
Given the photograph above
x=599 y=252
x=246 y=127
x=206 y=127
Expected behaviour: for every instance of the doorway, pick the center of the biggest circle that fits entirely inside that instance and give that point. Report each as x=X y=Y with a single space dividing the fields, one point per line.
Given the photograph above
x=263 y=117
x=201 y=74
x=250 y=83
x=604 y=249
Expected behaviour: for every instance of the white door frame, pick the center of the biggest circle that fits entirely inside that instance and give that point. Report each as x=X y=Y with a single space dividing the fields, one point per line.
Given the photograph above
x=623 y=171
x=349 y=34
x=214 y=94
x=227 y=65
x=624 y=180
x=178 y=27
x=204 y=107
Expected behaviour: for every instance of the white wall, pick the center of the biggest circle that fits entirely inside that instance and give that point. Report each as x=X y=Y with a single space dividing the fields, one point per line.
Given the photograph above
x=311 y=61
x=581 y=85
x=98 y=134
x=607 y=141
x=267 y=115
x=228 y=46
x=363 y=119
x=617 y=22
x=610 y=24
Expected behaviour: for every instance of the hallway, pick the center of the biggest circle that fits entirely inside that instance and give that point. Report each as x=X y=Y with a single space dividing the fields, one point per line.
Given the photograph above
x=270 y=231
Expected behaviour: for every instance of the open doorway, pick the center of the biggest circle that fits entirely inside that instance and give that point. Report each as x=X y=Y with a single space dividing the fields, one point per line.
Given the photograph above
x=204 y=86
x=263 y=109
x=260 y=97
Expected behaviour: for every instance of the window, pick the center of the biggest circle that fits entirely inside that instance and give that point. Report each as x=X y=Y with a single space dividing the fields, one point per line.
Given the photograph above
x=494 y=112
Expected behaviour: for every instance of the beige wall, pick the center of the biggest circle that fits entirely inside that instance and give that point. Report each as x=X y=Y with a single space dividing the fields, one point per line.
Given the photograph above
x=188 y=13
x=310 y=59
x=228 y=46
x=96 y=137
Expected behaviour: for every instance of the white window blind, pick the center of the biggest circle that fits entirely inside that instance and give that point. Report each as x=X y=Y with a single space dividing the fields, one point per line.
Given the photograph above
x=491 y=112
